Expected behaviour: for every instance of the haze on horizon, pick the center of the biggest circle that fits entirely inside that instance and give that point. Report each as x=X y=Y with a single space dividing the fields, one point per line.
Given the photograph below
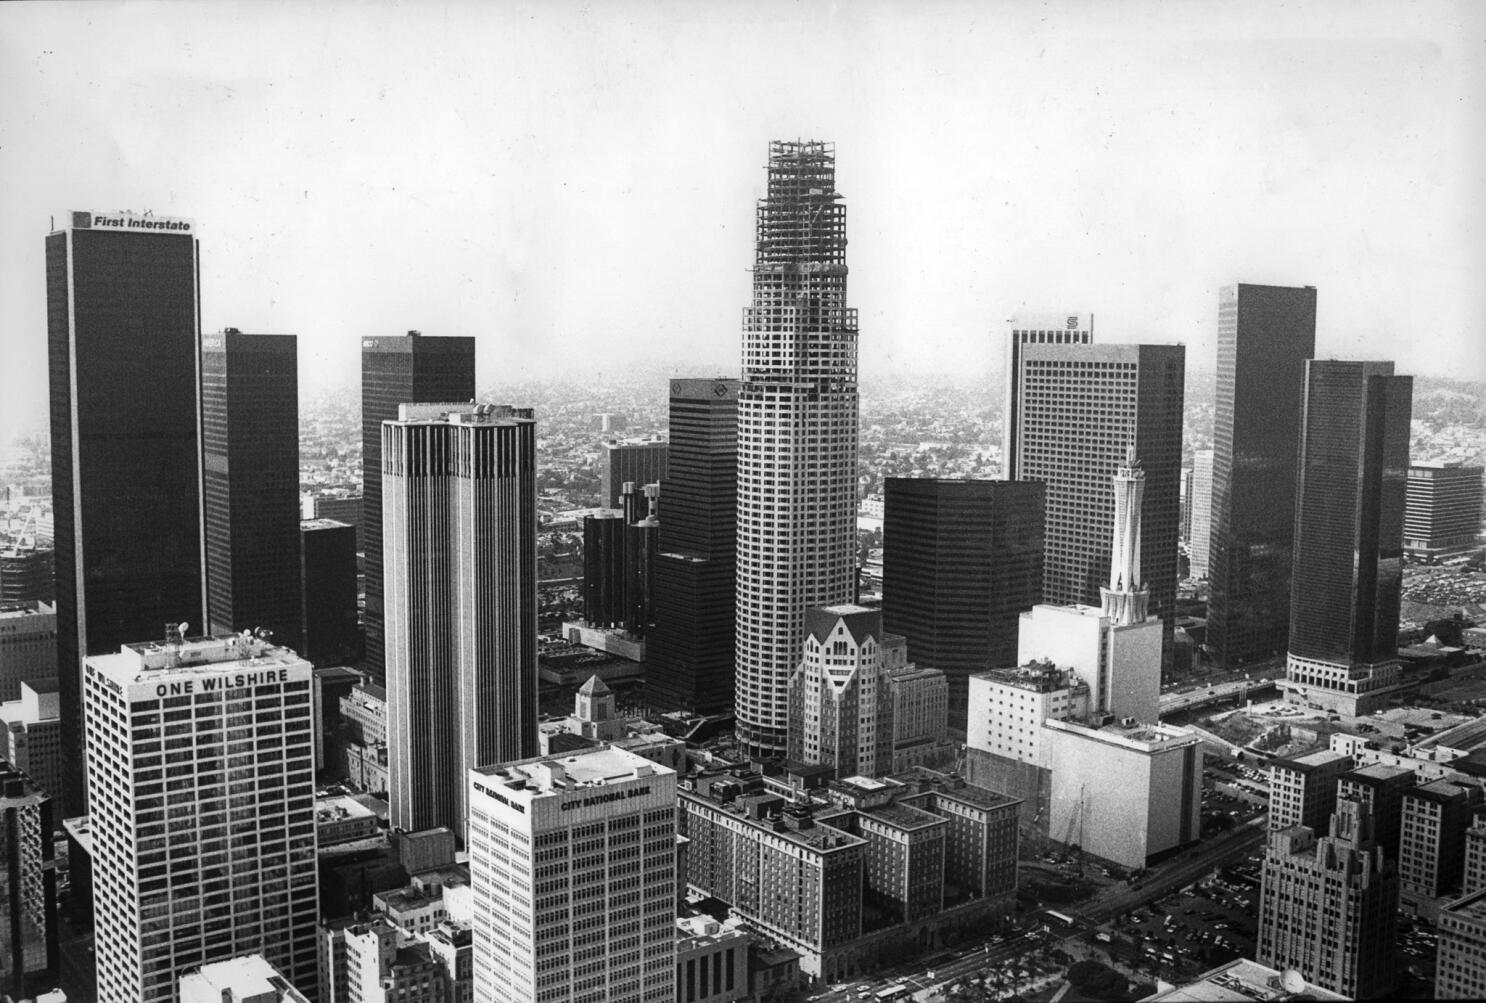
x=575 y=185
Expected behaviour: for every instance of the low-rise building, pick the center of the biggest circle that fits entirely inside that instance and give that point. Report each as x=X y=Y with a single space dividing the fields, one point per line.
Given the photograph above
x=711 y=960
x=33 y=733
x=1245 y=981
x=1460 y=961
x=248 y=978
x=343 y=819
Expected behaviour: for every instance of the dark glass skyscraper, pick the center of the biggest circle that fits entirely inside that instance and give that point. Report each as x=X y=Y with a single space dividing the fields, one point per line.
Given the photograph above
x=398 y=370
x=1083 y=406
x=328 y=577
x=961 y=561
x=1265 y=335
x=122 y=322
x=1349 y=505
x=250 y=461
x=689 y=653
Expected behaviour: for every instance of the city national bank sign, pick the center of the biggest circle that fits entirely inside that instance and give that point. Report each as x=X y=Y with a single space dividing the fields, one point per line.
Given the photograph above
x=131 y=222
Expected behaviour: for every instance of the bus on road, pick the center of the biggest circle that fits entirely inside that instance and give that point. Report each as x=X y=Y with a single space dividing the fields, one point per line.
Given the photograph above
x=1063 y=918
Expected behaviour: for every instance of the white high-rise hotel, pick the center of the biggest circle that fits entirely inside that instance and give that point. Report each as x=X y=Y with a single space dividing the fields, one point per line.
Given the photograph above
x=202 y=789
x=797 y=434
x=459 y=526
x=573 y=870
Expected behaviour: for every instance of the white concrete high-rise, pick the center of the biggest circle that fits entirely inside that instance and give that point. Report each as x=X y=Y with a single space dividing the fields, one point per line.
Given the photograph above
x=1024 y=329
x=797 y=435
x=202 y=787
x=573 y=868
x=459 y=526
x=1199 y=543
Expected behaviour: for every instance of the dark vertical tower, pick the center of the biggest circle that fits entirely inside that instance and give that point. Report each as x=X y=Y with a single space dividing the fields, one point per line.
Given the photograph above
x=328 y=578
x=122 y=322
x=1032 y=329
x=405 y=370
x=250 y=461
x=1349 y=504
x=689 y=652
x=1083 y=407
x=1265 y=334
x=621 y=463
x=961 y=561
x=797 y=435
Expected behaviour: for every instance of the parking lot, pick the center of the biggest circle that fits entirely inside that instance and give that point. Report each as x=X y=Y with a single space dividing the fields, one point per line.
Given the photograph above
x=1202 y=926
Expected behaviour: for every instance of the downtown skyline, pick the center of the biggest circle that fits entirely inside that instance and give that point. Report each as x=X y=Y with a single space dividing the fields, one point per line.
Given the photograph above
x=1124 y=160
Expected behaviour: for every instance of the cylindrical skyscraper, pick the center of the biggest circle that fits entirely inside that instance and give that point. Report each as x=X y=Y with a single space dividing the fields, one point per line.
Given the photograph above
x=797 y=434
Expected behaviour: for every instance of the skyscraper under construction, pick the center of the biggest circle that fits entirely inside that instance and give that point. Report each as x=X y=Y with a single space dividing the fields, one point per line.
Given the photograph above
x=797 y=434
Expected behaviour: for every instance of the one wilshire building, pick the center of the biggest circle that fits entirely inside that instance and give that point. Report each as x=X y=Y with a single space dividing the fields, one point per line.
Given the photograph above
x=797 y=433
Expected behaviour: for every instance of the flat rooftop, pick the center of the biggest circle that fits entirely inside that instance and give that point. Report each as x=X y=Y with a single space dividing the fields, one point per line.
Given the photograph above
x=19 y=611
x=150 y=660
x=1377 y=771
x=1471 y=907
x=314 y=524
x=1309 y=762
x=1243 y=981
x=461 y=413
x=247 y=976
x=545 y=776
x=903 y=816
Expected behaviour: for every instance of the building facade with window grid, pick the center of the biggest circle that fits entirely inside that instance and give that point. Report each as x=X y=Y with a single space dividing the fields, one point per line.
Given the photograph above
x=1032 y=329
x=797 y=435
x=1460 y=961
x=1328 y=907
x=201 y=782
x=573 y=870
x=1083 y=407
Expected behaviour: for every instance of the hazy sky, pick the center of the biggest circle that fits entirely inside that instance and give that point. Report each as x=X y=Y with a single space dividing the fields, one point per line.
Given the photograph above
x=574 y=183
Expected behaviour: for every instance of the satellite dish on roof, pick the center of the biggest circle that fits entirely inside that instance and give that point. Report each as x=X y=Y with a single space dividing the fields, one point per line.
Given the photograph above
x=1292 y=981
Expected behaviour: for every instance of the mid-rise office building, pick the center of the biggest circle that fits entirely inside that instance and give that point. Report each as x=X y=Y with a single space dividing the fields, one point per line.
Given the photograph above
x=364 y=737
x=1460 y=959
x=629 y=462
x=1381 y=787
x=327 y=575
x=1265 y=336
x=689 y=651
x=918 y=702
x=394 y=371
x=797 y=435
x=201 y=757
x=245 y=979
x=1474 y=874
x=1124 y=792
x=27 y=574
x=1005 y=748
x=122 y=312
x=961 y=561
x=1199 y=539
x=573 y=867
x=1347 y=574
x=28 y=646
x=250 y=480
x=1442 y=509
x=1084 y=408
x=1025 y=329
x=1328 y=906
x=28 y=886
x=459 y=505
x=1431 y=846
x=1303 y=791
x=904 y=857
x=33 y=734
